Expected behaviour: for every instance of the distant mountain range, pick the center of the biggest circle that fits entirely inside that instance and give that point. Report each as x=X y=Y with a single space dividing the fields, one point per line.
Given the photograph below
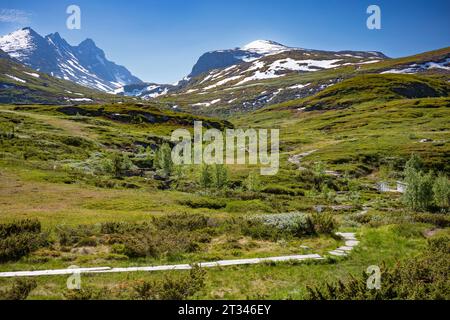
x=85 y=64
x=20 y=84
x=248 y=63
x=258 y=74
x=262 y=48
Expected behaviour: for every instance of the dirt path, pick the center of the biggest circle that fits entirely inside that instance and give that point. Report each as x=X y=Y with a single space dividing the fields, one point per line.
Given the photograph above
x=296 y=159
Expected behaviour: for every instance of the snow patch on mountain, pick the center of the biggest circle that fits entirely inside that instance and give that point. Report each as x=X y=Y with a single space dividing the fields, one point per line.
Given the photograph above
x=17 y=44
x=265 y=47
x=32 y=74
x=259 y=75
x=15 y=78
x=206 y=104
x=415 y=68
x=303 y=65
x=84 y=64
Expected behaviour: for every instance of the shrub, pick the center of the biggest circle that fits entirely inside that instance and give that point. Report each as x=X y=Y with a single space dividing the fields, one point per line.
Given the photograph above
x=69 y=236
x=419 y=193
x=276 y=226
x=204 y=203
x=15 y=247
x=124 y=227
x=20 y=290
x=20 y=238
x=419 y=278
x=252 y=182
x=206 y=176
x=172 y=288
x=439 y=220
x=157 y=244
x=441 y=191
x=182 y=221
x=163 y=159
x=248 y=206
x=119 y=164
x=85 y=293
x=259 y=230
x=323 y=223
x=21 y=226
x=220 y=176
x=74 y=141
x=277 y=189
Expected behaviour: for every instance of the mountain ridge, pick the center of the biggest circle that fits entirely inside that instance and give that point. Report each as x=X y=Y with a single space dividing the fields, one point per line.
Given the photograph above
x=85 y=64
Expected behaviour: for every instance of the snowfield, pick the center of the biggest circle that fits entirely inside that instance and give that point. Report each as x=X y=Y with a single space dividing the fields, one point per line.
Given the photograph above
x=265 y=47
x=206 y=104
x=32 y=74
x=79 y=99
x=303 y=65
x=414 y=68
x=15 y=78
x=17 y=44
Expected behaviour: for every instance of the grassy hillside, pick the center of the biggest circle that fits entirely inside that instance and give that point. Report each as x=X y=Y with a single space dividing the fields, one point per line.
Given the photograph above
x=372 y=88
x=88 y=185
x=20 y=84
x=262 y=93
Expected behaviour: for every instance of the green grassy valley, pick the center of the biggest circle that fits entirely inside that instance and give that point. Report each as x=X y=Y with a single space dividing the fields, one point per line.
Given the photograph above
x=87 y=180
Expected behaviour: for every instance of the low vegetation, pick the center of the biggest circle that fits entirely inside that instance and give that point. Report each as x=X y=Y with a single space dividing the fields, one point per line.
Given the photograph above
x=94 y=185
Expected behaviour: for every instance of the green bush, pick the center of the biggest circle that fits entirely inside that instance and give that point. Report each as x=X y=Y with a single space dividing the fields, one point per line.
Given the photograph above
x=420 y=278
x=204 y=203
x=181 y=221
x=441 y=190
x=252 y=183
x=21 y=226
x=118 y=163
x=20 y=238
x=323 y=223
x=206 y=176
x=158 y=244
x=279 y=226
x=423 y=189
x=439 y=220
x=259 y=230
x=252 y=206
x=74 y=141
x=85 y=293
x=17 y=246
x=172 y=288
x=277 y=189
x=70 y=236
x=163 y=159
x=220 y=176
x=124 y=227
x=20 y=290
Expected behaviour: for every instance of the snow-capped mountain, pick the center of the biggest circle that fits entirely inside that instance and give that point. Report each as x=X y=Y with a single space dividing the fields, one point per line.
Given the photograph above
x=257 y=60
x=144 y=90
x=258 y=49
x=225 y=58
x=84 y=64
x=265 y=47
x=264 y=59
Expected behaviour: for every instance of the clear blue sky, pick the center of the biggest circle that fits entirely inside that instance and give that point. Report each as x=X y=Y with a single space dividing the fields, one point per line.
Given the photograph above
x=160 y=40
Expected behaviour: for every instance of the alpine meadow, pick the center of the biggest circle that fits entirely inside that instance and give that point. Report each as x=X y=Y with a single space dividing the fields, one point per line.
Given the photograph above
x=268 y=172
